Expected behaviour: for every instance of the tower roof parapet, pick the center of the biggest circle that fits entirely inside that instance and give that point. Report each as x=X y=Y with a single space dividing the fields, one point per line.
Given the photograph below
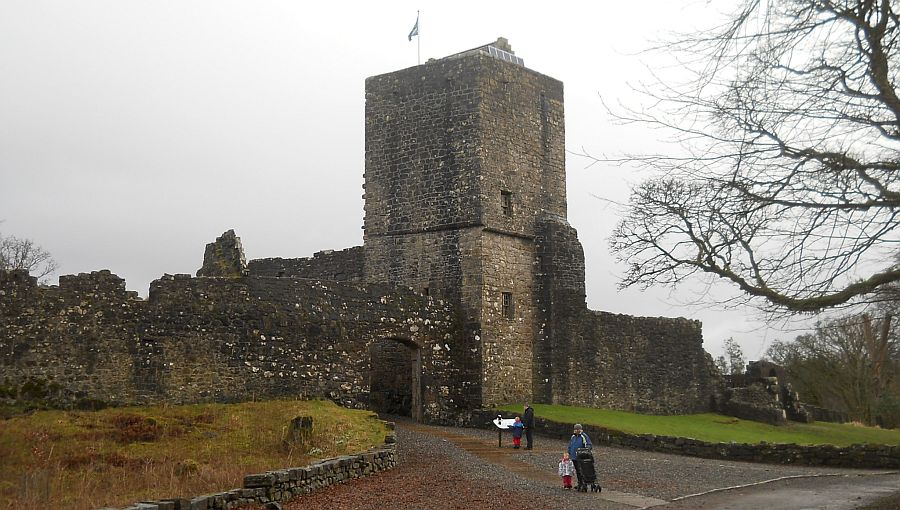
x=499 y=49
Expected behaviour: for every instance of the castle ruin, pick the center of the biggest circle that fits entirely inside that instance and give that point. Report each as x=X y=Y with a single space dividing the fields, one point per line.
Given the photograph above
x=468 y=290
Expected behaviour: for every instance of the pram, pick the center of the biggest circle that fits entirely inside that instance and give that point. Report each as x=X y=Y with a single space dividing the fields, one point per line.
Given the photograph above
x=584 y=459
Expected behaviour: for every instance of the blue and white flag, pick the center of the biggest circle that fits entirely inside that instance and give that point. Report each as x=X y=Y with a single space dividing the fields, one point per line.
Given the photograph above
x=415 y=30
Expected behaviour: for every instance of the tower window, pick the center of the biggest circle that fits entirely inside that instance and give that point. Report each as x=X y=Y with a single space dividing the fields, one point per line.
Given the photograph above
x=506 y=203
x=508 y=305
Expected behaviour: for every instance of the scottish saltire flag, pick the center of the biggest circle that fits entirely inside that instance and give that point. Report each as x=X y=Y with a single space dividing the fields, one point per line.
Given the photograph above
x=415 y=30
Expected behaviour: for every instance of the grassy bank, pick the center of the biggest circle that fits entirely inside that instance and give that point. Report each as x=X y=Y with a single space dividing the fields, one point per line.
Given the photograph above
x=715 y=427
x=114 y=457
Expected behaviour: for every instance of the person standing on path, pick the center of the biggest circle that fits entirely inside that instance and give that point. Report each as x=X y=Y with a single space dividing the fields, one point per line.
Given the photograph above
x=528 y=421
x=579 y=439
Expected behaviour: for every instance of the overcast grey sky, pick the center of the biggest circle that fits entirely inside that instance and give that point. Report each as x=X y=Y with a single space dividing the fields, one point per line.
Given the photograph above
x=133 y=133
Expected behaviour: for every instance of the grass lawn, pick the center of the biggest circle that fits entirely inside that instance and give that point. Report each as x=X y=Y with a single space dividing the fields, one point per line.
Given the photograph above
x=716 y=428
x=115 y=457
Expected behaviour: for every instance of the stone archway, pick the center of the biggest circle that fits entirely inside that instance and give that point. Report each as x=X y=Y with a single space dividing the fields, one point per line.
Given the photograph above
x=395 y=378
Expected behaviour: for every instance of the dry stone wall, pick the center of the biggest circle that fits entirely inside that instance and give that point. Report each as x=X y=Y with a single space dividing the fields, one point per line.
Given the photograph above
x=285 y=484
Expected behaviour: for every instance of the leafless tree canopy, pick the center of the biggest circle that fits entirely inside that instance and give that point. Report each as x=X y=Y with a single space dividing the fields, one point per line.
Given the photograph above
x=18 y=253
x=787 y=185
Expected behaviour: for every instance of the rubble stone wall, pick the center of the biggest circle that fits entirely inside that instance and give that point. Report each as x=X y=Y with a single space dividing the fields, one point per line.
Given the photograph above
x=89 y=341
x=653 y=365
x=341 y=266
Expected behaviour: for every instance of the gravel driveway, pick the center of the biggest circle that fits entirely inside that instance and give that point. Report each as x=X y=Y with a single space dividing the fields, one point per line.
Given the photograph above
x=452 y=468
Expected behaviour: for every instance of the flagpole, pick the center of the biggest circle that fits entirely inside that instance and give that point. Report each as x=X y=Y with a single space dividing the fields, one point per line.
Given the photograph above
x=418 y=40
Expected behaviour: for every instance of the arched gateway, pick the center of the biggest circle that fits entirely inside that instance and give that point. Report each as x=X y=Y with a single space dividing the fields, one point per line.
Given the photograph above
x=395 y=377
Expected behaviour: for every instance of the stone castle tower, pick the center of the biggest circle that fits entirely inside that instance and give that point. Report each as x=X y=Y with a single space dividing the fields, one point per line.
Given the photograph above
x=464 y=172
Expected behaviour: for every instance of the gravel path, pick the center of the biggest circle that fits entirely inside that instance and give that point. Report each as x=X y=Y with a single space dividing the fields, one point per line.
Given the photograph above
x=450 y=468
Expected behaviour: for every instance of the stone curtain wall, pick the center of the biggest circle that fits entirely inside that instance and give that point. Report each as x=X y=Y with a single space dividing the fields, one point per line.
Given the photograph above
x=597 y=359
x=651 y=365
x=284 y=484
x=212 y=339
x=341 y=266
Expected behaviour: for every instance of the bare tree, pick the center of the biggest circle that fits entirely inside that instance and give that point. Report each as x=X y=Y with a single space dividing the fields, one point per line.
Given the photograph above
x=785 y=180
x=16 y=253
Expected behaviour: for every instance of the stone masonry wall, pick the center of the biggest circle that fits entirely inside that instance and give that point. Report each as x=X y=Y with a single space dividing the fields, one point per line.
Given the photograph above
x=582 y=357
x=224 y=257
x=340 y=266
x=213 y=339
x=422 y=212
x=651 y=365
x=421 y=159
x=560 y=294
x=522 y=146
x=507 y=341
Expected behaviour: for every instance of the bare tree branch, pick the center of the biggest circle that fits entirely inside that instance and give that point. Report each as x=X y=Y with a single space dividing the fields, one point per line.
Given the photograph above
x=16 y=253
x=785 y=180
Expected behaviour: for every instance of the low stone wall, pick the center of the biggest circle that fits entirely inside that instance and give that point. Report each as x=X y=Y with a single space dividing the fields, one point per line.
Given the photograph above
x=284 y=484
x=868 y=456
x=828 y=415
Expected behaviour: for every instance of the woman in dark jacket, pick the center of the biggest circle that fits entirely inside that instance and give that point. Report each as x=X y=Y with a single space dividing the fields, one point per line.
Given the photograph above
x=528 y=421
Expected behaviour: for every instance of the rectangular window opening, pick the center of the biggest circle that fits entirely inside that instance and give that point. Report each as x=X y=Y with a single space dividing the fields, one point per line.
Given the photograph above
x=508 y=305
x=506 y=203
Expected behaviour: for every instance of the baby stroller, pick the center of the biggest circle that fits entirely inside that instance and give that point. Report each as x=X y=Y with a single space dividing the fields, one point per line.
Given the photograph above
x=584 y=458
